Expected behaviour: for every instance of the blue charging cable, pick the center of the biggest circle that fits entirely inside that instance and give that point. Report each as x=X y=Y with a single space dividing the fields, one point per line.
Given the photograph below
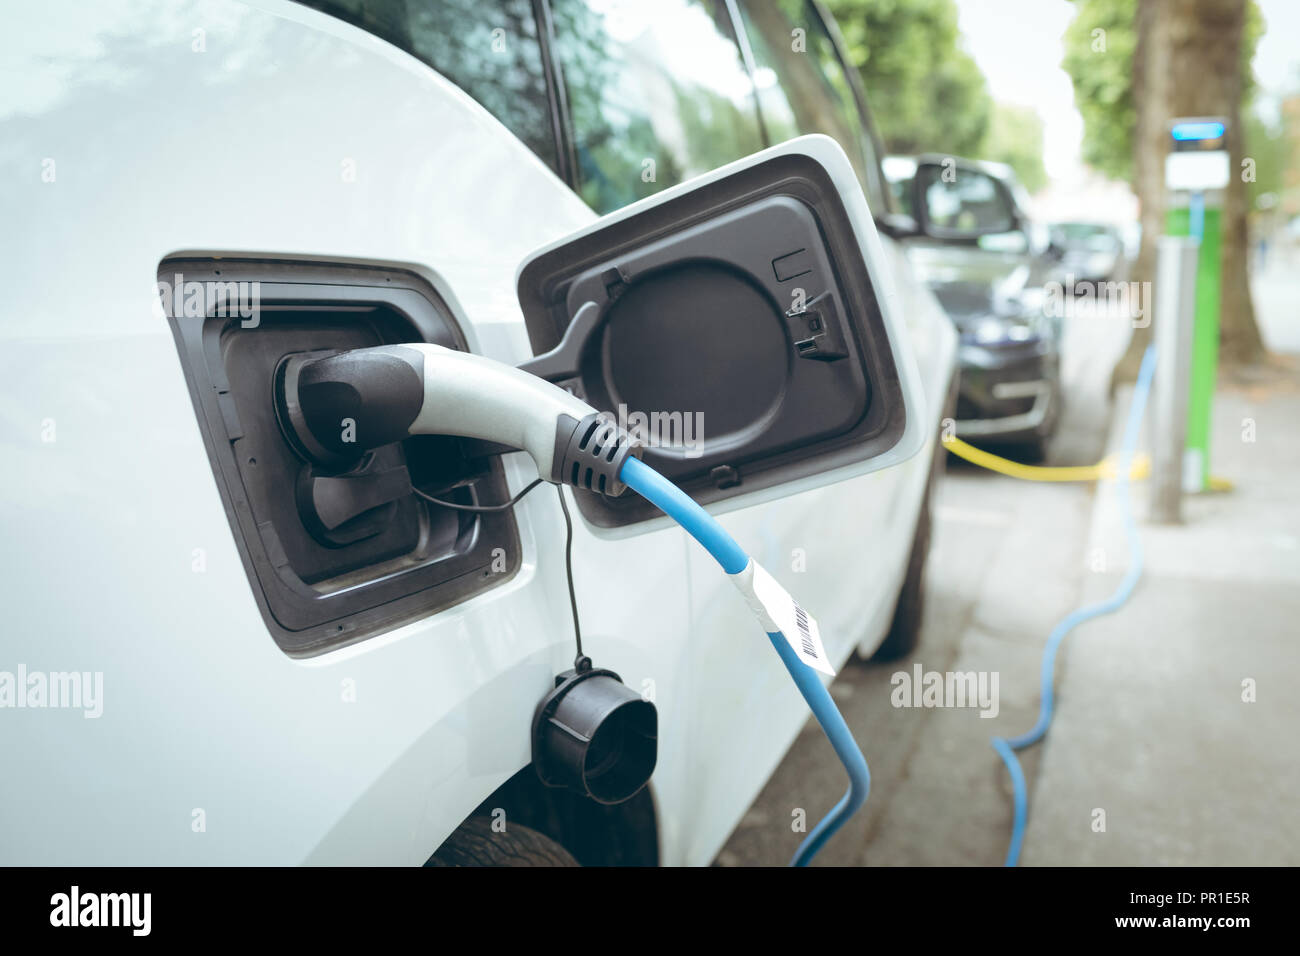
x=1006 y=748
x=702 y=526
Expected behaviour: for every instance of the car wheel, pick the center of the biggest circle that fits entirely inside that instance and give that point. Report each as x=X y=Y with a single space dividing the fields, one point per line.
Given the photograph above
x=905 y=629
x=475 y=843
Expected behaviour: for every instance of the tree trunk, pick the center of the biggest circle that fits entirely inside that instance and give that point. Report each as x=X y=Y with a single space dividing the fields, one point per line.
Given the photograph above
x=1239 y=340
x=1150 y=79
x=1188 y=63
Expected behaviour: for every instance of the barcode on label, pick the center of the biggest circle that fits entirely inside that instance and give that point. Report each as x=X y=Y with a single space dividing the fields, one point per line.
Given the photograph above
x=805 y=635
x=781 y=612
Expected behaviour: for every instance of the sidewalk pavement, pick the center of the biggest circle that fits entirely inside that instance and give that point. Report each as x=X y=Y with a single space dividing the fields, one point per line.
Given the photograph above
x=1150 y=725
x=1179 y=715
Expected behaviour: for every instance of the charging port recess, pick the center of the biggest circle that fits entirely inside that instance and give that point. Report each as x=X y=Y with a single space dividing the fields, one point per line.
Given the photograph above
x=334 y=555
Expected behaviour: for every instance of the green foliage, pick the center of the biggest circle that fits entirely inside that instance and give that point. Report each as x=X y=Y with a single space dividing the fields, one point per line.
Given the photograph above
x=1251 y=31
x=1099 y=46
x=926 y=93
x=1015 y=137
x=1267 y=148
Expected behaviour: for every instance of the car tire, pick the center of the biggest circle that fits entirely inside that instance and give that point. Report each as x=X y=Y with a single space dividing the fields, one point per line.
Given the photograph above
x=905 y=629
x=475 y=843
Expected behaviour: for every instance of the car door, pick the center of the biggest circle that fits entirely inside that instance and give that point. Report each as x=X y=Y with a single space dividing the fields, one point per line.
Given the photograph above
x=655 y=98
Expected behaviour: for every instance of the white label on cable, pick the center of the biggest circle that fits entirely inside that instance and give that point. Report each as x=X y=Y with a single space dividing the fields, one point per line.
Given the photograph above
x=778 y=611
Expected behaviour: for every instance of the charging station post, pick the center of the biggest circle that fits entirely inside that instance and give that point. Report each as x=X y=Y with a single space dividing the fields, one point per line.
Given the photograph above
x=1197 y=168
x=1175 y=322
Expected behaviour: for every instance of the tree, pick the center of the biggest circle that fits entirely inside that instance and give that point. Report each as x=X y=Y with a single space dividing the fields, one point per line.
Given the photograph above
x=1015 y=137
x=1099 y=46
x=1181 y=58
x=927 y=94
x=1269 y=148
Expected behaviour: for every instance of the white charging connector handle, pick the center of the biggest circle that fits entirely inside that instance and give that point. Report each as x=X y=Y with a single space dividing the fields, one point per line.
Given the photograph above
x=478 y=397
x=334 y=406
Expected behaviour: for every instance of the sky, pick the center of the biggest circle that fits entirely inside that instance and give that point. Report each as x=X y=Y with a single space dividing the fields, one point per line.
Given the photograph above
x=1277 y=58
x=1017 y=44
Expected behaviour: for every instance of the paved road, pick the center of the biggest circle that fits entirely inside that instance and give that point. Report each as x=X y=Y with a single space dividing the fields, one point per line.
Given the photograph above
x=1008 y=560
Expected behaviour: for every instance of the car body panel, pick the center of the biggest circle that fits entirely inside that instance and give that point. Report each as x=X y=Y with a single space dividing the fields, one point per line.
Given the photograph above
x=214 y=747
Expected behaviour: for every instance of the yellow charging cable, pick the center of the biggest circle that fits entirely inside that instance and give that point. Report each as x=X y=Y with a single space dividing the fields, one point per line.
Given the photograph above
x=1106 y=468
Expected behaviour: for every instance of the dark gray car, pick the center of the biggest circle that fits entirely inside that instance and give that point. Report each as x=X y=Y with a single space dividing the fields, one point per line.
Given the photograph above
x=1089 y=251
x=969 y=237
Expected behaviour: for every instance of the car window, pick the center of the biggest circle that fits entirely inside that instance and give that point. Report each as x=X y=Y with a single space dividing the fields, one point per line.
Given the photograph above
x=968 y=203
x=657 y=94
x=490 y=50
x=802 y=86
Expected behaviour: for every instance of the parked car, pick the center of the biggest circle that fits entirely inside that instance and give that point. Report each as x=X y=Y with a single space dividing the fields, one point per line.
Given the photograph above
x=1089 y=252
x=969 y=236
x=283 y=686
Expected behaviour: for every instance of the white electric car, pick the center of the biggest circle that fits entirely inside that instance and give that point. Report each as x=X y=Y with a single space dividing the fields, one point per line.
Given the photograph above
x=216 y=652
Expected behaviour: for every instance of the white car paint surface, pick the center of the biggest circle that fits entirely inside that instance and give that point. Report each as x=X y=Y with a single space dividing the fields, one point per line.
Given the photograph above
x=118 y=556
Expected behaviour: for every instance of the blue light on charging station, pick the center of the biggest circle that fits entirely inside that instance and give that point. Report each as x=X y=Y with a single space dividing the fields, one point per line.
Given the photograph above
x=1185 y=132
